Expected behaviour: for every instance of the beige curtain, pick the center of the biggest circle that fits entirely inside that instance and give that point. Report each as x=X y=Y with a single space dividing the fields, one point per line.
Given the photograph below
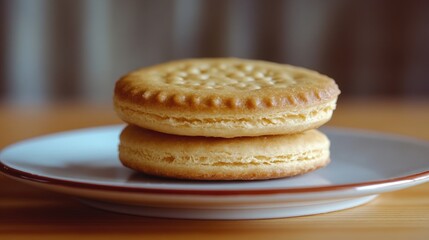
x=66 y=49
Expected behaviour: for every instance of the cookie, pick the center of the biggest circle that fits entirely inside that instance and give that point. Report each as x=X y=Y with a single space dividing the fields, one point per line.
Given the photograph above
x=225 y=97
x=203 y=158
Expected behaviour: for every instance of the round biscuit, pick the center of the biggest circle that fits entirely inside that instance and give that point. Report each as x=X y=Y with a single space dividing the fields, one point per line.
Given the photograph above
x=202 y=158
x=225 y=97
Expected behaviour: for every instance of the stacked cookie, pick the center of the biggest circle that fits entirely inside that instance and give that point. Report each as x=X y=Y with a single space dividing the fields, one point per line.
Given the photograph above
x=224 y=119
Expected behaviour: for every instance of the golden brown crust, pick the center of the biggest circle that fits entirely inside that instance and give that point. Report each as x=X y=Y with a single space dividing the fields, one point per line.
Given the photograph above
x=202 y=158
x=224 y=84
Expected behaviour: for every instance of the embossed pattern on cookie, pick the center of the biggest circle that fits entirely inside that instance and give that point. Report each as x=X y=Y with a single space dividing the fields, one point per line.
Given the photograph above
x=228 y=79
x=237 y=76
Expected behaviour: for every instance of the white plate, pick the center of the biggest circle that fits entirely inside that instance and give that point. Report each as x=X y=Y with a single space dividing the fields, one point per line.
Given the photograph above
x=84 y=163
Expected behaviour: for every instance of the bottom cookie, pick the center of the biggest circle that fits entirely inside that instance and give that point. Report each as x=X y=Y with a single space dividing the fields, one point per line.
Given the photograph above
x=203 y=158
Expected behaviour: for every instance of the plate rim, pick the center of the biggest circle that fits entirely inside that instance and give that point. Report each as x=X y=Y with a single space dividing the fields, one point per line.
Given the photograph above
x=27 y=176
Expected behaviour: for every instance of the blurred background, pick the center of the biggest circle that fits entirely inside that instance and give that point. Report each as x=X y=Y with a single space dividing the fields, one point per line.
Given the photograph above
x=74 y=50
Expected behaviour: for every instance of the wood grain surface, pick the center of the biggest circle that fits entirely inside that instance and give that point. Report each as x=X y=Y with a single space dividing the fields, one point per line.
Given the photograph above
x=32 y=213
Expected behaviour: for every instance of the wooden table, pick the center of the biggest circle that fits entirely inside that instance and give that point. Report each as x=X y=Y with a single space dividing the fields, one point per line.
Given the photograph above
x=30 y=213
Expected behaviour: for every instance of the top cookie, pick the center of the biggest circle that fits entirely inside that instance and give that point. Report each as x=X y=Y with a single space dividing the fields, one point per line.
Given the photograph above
x=223 y=97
